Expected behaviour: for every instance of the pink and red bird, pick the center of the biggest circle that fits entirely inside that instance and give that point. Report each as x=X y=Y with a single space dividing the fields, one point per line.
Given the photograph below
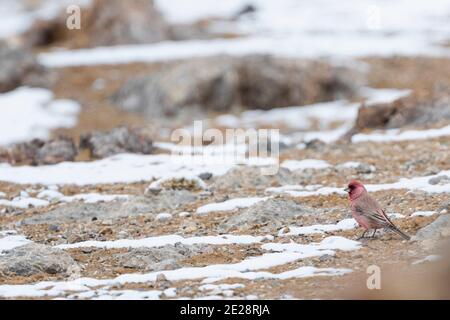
x=367 y=212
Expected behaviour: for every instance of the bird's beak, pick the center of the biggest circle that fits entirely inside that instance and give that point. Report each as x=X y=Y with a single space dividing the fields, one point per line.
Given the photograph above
x=347 y=189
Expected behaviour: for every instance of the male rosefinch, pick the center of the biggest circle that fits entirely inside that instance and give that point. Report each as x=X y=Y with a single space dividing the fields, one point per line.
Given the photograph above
x=367 y=212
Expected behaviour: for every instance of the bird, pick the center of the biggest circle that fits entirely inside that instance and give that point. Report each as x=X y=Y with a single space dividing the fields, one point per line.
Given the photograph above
x=367 y=212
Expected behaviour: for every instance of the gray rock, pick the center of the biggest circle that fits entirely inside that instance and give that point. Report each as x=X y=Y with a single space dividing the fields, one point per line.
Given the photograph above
x=156 y=259
x=205 y=175
x=273 y=213
x=222 y=82
x=126 y=22
x=251 y=177
x=78 y=211
x=16 y=66
x=118 y=140
x=34 y=259
x=435 y=230
x=442 y=179
x=40 y=152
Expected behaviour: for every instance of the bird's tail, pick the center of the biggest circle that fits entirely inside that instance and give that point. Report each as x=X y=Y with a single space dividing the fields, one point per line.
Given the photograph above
x=399 y=232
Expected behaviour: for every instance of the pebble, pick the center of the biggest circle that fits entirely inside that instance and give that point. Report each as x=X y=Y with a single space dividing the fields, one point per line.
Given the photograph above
x=163 y=217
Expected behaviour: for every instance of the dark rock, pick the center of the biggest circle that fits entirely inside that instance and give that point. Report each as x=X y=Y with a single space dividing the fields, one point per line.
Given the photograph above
x=118 y=140
x=205 y=175
x=40 y=152
x=245 y=10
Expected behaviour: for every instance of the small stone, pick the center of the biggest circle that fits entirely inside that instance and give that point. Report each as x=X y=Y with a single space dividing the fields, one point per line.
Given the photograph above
x=442 y=179
x=106 y=231
x=163 y=217
x=205 y=175
x=54 y=228
x=153 y=190
x=184 y=214
x=161 y=277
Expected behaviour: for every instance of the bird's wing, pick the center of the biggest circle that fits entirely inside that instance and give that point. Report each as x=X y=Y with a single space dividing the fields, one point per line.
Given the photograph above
x=370 y=208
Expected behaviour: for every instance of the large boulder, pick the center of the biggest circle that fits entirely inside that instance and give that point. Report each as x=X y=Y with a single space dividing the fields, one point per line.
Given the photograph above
x=267 y=215
x=410 y=110
x=40 y=152
x=114 y=22
x=118 y=140
x=32 y=259
x=222 y=82
x=439 y=228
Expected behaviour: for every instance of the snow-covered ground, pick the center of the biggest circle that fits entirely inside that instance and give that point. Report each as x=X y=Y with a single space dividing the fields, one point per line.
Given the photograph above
x=28 y=113
x=291 y=28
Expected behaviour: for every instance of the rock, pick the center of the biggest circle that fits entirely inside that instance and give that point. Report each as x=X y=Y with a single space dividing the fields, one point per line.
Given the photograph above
x=118 y=140
x=435 y=230
x=222 y=82
x=126 y=22
x=39 y=152
x=163 y=217
x=244 y=11
x=273 y=213
x=32 y=259
x=205 y=175
x=192 y=183
x=134 y=206
x=360 y=168
x=56 y=151
x=410 y=110
x=17 y=67
x=251 y=177
x=167 y=257
x=441 y=179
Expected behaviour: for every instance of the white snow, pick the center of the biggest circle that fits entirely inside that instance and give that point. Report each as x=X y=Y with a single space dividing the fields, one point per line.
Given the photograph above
x=294 y=165
x=415 y=183
x=246 y=269
x=44 y=198
x=28 y=113
x=423 y=213
x=10 y=240
x=229 y=205
x=163 y=217
x=160 y=241
x=16 y=17
x=125 y=168
x=430 y=258
x=332 y=243
x=24 y=202
x=346 y=224
x=397 y=135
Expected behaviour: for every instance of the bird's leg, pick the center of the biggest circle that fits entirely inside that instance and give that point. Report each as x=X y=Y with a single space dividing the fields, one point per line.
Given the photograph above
x=362 y=236
x=374 y=232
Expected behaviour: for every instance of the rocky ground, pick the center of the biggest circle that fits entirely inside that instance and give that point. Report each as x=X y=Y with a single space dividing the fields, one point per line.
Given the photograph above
x=89 y=228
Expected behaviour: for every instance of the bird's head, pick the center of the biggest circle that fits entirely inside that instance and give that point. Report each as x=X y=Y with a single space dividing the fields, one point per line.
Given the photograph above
x=355 y=189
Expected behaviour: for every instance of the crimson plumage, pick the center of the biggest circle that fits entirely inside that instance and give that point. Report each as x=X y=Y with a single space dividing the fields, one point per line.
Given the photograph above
x=366 y=210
